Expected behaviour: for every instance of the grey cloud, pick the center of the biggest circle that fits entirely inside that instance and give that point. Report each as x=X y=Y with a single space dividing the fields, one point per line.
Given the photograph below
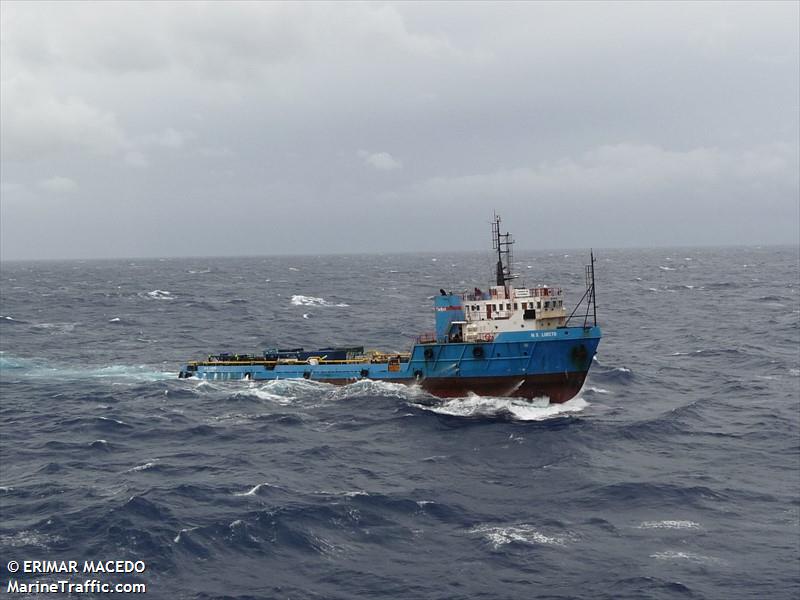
x=210 y=39
x=383 y=161
x=58 y=185
x=169 y=138
x=624 y=123
x=623 y=170
x=37 y=122
x=137 y=159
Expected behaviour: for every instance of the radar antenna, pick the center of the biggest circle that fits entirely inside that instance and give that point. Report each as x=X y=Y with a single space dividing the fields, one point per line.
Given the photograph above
x=503 y=243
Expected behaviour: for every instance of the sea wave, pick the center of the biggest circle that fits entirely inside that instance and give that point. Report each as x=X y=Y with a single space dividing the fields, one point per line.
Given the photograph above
x=300 y=300
x=523 y=533
x=160 y=295
x=30 y=539
x=692 y=557
x=669 y=524
x=518 y=409
x=36 y=368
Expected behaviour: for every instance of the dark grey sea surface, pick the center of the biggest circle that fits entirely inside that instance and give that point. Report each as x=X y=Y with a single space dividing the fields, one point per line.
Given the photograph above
x=674 y=474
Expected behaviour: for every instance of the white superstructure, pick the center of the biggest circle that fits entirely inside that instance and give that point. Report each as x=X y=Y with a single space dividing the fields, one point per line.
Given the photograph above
x=509 y=309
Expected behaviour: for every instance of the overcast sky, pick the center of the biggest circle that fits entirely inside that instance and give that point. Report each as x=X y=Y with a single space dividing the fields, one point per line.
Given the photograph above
x=224 y=128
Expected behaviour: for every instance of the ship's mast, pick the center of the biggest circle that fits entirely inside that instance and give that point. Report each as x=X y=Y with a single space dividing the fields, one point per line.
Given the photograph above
x=503 y=243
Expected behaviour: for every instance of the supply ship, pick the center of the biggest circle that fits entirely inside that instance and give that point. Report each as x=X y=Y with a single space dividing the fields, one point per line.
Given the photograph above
x=505 y=341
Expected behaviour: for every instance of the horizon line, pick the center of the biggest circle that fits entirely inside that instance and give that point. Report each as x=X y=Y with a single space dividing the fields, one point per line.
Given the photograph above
x=379 y=253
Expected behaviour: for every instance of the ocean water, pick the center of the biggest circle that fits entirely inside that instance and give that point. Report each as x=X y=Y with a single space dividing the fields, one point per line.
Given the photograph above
x=674 y=474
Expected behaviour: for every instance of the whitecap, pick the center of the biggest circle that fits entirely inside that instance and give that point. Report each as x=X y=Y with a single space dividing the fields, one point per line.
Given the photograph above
x=300 y=300
x=161 y=295
x=346 y=494
x=181 y=532
x=597 y=390
x=520 y=409
x=688 y=556
x=652 y=289
x=520 y=534
x=282 y=391
x=666 y=268
x=794 y=372
x=291 y=389
x=669 y=524
x=255 y=489
x=145 y=467
x=29 y=538
x=293 y=269
x=373 y=387
x=263 y=394
x=306 y=315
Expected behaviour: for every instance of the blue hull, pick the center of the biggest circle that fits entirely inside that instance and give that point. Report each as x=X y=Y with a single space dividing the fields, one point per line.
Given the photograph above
x=530 y=364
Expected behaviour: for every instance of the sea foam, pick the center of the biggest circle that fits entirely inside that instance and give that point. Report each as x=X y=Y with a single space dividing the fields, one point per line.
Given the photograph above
x=300 y=300
x=519 y=409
